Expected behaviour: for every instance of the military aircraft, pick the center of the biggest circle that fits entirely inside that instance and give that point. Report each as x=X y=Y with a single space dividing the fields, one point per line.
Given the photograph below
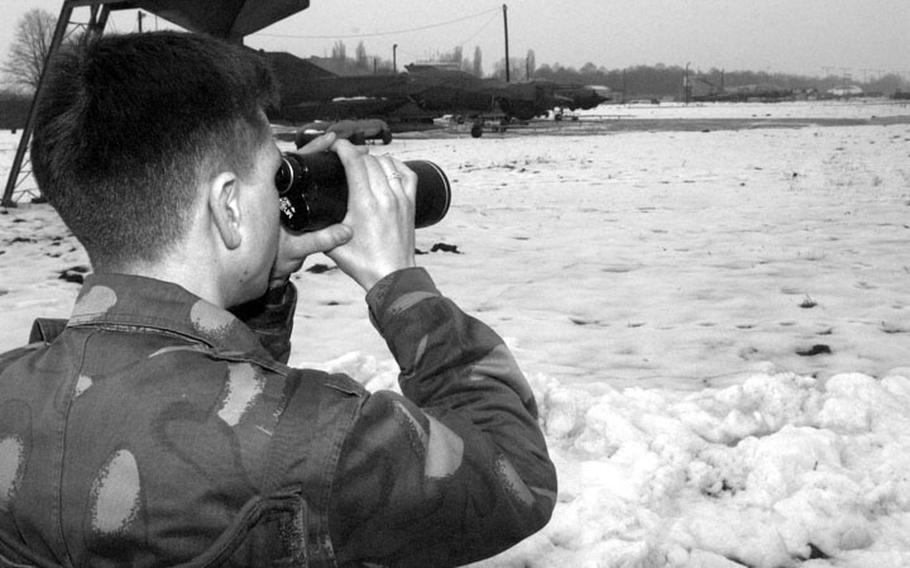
x=584 y=96
x=412 y=100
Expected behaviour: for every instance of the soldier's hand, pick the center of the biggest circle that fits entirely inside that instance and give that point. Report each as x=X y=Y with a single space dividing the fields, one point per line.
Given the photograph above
x=381 y=197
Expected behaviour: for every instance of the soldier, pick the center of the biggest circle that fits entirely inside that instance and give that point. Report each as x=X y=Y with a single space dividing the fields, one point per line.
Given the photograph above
x=160 y=424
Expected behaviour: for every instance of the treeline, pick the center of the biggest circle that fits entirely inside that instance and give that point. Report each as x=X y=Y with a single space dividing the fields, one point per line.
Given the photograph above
x=661 y=81
x=641 y=81
x=363 y=63
x=633 y=83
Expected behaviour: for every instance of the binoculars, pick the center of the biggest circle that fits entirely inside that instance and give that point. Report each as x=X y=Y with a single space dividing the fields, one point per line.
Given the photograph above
x=313 y=191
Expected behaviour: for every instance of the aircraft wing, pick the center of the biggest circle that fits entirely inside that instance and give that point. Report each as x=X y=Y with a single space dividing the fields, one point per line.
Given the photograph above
x=231 y=19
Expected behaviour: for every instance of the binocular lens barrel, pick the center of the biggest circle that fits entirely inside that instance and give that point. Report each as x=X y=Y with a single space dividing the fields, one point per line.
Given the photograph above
x=313 y=191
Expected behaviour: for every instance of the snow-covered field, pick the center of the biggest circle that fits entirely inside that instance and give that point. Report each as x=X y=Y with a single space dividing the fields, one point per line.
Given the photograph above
x=715 y=321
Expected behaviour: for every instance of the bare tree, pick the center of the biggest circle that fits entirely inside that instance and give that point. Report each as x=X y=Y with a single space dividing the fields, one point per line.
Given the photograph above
x=339 y=51
x=478 y=62
x=29 y=48
x=458 y=56
x=340 y=57
x=516 y=68
x=361 y=57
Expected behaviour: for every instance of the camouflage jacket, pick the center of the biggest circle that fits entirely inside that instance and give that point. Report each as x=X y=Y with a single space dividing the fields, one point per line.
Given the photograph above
x=156 y=429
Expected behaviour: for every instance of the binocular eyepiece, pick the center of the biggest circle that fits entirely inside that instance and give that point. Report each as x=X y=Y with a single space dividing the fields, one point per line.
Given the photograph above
x=313 y=191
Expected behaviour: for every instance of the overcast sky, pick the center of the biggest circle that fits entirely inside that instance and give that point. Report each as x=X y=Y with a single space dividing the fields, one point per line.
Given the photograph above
x=859 y=37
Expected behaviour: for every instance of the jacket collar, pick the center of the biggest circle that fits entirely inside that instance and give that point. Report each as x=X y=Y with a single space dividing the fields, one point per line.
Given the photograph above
x=137 y=301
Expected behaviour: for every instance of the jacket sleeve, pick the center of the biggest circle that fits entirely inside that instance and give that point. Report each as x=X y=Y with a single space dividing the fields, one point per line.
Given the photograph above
x=455 y=470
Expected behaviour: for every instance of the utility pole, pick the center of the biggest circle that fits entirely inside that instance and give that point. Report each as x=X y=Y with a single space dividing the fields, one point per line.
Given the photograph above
x=505 y=25
x=139 y=16
x=395 y=58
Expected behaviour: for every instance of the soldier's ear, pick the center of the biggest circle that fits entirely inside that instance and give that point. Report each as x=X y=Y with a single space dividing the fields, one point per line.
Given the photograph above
x=224 y=206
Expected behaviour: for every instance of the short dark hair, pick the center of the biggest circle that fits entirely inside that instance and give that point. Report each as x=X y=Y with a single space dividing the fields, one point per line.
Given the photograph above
x=131 y=124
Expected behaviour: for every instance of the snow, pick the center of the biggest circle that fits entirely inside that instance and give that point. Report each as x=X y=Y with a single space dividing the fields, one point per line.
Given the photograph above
x=713 y=317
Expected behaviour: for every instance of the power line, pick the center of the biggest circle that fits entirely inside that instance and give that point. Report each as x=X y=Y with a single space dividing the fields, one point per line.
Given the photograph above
x=386 y=33
x=483 y=27
x=492 y=18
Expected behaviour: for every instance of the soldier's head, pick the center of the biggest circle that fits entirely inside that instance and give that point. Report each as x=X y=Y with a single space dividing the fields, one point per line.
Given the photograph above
x=131 y=126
